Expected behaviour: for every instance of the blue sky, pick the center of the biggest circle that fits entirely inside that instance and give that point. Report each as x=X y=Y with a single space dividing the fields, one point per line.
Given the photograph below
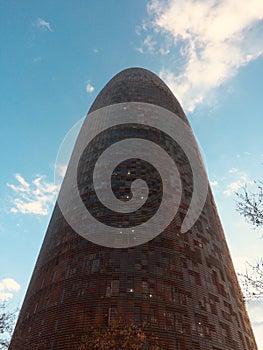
x=57 y=56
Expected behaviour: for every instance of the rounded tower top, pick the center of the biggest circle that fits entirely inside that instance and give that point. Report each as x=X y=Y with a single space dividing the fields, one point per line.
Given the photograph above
x=138 y=85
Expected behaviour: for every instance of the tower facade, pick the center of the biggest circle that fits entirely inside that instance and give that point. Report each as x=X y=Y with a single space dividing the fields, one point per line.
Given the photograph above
x=180 y=285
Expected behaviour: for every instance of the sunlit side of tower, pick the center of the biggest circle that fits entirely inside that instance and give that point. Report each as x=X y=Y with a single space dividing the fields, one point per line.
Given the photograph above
x=180 y=287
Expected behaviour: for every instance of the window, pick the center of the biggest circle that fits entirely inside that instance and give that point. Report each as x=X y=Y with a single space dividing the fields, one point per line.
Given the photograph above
x=115 y=287
x=130 y=286
x=47 y=301
x=54 y=276
x=137 y=314
x=95 y=266
x=200 y=328
x=108 y=292
x=36 y=306
x=62 y=295
x=169 y=315
x=56 y=326
x=145 y=287
x=112 y=315
x=153 y=315
x=178 y=322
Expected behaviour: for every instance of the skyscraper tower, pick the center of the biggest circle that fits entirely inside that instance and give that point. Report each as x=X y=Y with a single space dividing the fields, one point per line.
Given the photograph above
x=179 y=282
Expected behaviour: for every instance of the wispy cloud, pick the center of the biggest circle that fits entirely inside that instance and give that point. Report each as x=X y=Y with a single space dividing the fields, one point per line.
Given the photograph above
x=89 y=88
x=61 y=170
x=240 y=263
x=41 y=23
x=37 y=59
x=240 y=181
x=256 y=317
x=32 y=198
x=59 y=173
x=150 y=43
x=7 y=287
x=233 y=170
x=209 y=40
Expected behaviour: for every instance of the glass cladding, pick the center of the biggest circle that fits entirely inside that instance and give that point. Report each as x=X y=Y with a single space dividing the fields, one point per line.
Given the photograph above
x=180 y=287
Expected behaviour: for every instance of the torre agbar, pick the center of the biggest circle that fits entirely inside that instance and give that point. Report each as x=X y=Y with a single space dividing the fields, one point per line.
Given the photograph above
x=179 y=286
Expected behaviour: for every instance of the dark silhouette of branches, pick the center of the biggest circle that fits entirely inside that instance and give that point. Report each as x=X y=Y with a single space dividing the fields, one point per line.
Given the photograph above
x=250 y=205
x=7 y=320
x=252 y=281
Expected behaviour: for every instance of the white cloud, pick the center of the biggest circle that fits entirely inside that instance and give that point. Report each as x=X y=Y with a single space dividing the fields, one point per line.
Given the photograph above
x=150 y=43
x=7 y=287
x=139 y=49
x=59 y=173
x=240 y=182
x=256 y=316
x=61 y=170
x=41 y=23
x=89 y=88
x=233 y=187
x=241 y=263
x=32 y=198
x=214 y=183
x=37 y=59
x=142 y=27
x=212 y=38
x=233 y=170
x=164 y=51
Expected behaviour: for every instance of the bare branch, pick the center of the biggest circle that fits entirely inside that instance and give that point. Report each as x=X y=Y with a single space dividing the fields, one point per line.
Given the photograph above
x=7 y=320
x=252 y=281
x=250 y=205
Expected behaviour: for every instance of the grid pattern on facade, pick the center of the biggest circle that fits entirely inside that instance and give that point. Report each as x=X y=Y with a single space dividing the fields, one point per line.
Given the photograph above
x=182 y=288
